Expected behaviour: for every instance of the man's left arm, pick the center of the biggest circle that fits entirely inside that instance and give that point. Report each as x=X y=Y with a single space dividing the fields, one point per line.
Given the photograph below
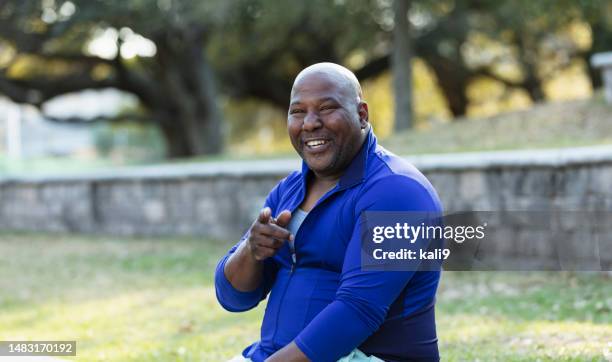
x=364 y=297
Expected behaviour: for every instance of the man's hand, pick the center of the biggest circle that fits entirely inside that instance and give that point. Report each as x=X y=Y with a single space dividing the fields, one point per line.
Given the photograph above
x=244 y=268
x=289 y=353
x=267 y=234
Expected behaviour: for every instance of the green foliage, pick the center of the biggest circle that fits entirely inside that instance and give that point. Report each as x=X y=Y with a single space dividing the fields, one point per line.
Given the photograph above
x=290 y=32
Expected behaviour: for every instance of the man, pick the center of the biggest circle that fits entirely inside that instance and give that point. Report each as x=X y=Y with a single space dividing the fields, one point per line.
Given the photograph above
x=304 y=248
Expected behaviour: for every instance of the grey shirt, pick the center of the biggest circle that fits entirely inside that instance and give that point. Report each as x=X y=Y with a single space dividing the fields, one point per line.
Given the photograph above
x=294 y=225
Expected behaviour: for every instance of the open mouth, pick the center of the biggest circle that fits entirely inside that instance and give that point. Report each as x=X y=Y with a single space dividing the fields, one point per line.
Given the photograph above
x=316 y=145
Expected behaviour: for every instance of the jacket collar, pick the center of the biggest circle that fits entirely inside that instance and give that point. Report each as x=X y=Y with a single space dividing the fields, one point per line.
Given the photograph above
x=355 y=172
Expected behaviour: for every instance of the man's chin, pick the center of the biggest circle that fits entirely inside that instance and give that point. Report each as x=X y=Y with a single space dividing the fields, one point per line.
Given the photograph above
x=319 y=167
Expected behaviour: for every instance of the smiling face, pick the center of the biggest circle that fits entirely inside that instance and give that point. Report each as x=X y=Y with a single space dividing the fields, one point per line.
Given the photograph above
x=327 y=120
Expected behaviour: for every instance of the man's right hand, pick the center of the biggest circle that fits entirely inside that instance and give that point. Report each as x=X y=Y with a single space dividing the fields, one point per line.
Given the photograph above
x=267 y=234
x=244 y=268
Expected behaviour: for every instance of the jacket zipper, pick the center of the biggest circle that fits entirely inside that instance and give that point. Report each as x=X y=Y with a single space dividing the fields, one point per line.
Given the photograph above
x=293 y=262
x=294 y=257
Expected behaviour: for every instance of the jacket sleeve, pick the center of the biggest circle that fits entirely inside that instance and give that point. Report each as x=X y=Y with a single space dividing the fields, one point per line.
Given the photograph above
x=235 y=300
x=363 y=297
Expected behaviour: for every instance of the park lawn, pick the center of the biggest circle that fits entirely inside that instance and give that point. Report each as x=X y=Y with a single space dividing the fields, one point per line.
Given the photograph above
x=153 y=300
x=574 y=123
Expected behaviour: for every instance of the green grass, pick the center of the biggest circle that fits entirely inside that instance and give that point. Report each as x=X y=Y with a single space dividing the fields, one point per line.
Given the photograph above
x=548 y=125
x=153 y=300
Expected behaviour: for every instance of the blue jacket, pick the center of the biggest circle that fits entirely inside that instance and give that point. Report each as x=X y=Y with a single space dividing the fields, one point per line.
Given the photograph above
x=326 y=303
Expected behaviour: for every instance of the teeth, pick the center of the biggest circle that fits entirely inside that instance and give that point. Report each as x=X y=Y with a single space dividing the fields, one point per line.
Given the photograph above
x=315 y=143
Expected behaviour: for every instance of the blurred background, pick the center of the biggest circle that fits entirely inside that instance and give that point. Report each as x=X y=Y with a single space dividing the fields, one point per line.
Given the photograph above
x=91 y=83
x=196 y=92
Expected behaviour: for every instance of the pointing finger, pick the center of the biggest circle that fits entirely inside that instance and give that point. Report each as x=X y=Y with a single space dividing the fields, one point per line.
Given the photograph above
x=264 y=215
x=283 y=218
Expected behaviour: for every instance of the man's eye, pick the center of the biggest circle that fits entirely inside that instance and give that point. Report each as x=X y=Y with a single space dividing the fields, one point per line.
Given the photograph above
x=295 y=111
x=328 y=108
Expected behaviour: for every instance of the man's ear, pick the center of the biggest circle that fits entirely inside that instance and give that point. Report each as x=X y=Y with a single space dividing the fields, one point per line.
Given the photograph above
x=364 y=115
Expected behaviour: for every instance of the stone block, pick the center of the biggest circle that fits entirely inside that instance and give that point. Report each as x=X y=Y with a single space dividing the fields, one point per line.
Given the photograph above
x=472 y=184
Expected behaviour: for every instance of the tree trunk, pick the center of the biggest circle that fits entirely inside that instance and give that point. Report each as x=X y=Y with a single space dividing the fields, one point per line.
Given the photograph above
x=528 y=60
x=452 y=80
x=455 y=93
x=194 y=123
x=594 y=74
x=200 y=115
x=402 y=66
x=176 y=142
x=533 y=85
x=602 y=40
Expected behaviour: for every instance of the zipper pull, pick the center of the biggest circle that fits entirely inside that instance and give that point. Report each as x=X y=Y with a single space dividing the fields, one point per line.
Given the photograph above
x=293 y=261
x=292 y=248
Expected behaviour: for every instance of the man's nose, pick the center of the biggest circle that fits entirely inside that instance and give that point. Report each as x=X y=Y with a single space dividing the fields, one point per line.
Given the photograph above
x=312 y=121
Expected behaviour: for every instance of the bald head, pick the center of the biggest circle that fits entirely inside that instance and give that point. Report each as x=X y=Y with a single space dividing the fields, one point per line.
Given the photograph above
x=327 y=119
x=343 y=78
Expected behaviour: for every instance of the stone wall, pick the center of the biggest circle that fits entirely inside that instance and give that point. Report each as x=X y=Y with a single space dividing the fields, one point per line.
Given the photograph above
x=220 y=200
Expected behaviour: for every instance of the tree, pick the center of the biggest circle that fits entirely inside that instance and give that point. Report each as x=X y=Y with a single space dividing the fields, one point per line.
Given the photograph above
x=254 y=48
x=532 y=32
x=598 y=13
x=47 y=57
x=278 y=39
x=266 y=43
x=402 y=66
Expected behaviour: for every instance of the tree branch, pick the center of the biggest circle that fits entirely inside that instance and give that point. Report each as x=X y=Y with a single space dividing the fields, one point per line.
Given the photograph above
x=80 y=58
x=373 y=68
x=136 y=83
x=37 y=91
x=17 y=93
x=486 y=72
x=129 y=117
